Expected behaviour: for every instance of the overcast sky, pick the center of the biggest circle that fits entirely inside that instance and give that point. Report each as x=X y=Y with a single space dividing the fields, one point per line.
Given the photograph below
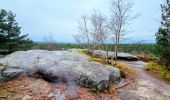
x=60 y=17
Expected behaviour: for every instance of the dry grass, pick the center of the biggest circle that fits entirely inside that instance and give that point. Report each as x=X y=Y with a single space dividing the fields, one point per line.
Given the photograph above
x=99 y=60
x=160 y=70
x=144 y=58
x=84 y=52
x=125 y=69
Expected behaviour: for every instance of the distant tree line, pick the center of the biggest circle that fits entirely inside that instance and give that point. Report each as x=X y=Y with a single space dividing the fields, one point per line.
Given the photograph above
x=11 y=39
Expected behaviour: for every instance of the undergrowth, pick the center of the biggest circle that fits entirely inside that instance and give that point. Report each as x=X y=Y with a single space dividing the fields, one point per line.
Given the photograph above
x=124 y=70
x=144 y=58
x=99 y=60
x=160 y=70
x=110 y=90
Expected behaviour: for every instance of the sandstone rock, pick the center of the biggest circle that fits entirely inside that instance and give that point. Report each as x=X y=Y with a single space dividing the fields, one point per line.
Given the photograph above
x=17 y=97
x=59 y=66
x=114 y=78
x=11 y=73
x=103 y=85
x=121 y=55
x=102 y=53
x=2 y=56
x=120 y=84
x=26 y=97
x=126 y=56
x=85 y=81
x=126 y=95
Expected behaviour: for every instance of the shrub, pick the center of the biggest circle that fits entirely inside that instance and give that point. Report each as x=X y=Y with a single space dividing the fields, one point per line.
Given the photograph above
x=144 y=58
x=163 y=36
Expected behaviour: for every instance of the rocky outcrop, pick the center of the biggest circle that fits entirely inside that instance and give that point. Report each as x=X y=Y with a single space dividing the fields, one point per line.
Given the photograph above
x=127 y=56
x=57 y=66
x=9 y=73
x=2 y=56
x=121 y=55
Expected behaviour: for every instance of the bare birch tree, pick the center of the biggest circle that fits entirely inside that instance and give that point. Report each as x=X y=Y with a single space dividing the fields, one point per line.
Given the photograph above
x=83 y=36
x=99 y=29
x=50 y=42
x=92 y=31
x=121 y=16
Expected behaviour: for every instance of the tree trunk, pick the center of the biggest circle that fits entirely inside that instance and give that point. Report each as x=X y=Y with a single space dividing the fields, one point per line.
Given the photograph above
x=10 y=49
x=107 y=55
x=115 y=54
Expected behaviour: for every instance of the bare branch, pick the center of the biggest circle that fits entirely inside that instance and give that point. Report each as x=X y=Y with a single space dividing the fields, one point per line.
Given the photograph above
x=120 y=19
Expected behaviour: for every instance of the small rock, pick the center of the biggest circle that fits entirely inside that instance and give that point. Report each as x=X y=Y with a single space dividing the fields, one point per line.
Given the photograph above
x=126 y=56
x=84 y=81
x=114 y=78
x=26 y=97
x=121 y=55
x=126 y=95
x=103 y=85
x=120 y=84
x=17 y=97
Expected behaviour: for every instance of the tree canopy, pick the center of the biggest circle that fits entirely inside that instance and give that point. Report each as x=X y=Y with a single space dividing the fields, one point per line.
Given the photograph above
x=10 y=34
x=163 y=34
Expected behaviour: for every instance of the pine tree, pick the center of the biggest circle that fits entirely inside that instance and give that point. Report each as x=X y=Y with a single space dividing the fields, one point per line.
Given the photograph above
x=10 y=35
x=163 y=35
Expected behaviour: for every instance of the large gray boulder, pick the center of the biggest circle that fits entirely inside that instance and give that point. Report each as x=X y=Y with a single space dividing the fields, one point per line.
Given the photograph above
x=121 y=55
x=55 y=66
x=127 y=56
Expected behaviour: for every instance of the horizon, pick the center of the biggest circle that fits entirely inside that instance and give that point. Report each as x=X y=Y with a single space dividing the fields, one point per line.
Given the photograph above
x=43 y=42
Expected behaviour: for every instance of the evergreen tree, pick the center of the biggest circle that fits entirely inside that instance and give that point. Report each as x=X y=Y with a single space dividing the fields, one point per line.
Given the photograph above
x=163 y=35
x=10 y=35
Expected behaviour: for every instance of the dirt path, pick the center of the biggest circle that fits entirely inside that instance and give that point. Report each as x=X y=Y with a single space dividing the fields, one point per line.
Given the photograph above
x=148 y=87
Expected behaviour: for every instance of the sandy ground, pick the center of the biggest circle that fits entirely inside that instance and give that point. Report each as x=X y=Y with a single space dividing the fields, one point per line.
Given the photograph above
x=26 y=88
x=149 y=87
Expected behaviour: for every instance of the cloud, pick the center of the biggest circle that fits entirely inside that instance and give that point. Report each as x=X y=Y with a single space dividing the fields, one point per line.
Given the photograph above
x=60 y=17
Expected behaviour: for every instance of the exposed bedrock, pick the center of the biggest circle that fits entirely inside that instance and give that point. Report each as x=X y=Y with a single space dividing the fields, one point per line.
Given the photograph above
x=56 y=66
x=121 y=55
